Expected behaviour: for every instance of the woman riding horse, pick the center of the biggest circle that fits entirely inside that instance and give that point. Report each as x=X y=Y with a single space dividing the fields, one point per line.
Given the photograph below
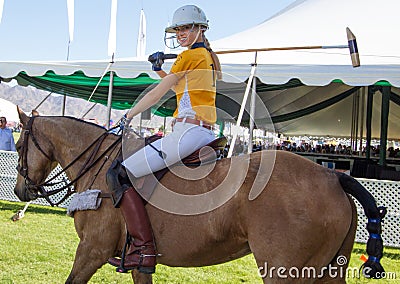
x=193 y=77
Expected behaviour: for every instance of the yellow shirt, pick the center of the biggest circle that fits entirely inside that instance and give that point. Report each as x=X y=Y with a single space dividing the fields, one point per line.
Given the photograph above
x=195 y=90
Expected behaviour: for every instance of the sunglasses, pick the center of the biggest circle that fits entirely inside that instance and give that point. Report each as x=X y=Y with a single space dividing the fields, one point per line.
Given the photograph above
x=2 y=120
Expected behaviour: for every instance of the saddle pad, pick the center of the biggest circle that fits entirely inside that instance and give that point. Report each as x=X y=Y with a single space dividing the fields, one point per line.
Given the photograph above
x=87 y=200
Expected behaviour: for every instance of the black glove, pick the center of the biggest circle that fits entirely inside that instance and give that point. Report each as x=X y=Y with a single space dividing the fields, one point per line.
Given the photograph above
x=157 y=60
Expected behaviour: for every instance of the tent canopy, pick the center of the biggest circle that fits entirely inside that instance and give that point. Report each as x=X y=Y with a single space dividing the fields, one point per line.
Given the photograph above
x=295 y=108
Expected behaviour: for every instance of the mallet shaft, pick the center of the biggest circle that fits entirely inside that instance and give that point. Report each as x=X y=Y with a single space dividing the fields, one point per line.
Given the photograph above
x=352 y=46
x=279 y=48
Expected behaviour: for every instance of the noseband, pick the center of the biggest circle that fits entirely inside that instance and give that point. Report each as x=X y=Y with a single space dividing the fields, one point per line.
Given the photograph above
x=38 y=190
x=23 y=161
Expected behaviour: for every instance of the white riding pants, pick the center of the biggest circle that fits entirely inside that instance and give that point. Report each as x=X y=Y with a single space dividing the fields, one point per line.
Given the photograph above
x=183 y=141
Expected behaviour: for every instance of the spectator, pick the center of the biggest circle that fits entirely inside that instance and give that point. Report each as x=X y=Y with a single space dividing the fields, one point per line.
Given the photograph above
x=6 y=137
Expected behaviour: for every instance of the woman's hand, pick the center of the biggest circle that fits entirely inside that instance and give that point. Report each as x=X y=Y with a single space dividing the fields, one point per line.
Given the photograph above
x=157 y=60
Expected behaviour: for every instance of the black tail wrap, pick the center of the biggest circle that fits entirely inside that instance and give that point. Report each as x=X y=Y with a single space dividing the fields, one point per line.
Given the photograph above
x=372 y=268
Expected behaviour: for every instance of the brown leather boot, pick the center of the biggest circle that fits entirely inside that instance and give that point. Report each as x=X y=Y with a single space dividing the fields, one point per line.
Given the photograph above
x=141 y=254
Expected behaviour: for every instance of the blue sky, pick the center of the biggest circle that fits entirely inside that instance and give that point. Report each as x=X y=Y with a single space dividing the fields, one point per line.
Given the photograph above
x=37 y=30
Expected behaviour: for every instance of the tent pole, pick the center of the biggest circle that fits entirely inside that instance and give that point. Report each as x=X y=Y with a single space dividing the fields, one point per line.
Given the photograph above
x=241 y=111
x=252 y=114
x=368 y=124
x=42 y=101
x=92 y=107
x=140 y=124
x=362 y=119
x=63 y=106
x=97 y=85
x=165 y=125
x=109 y=99
x=384 y=123
x=357 y=118
x=352 y=122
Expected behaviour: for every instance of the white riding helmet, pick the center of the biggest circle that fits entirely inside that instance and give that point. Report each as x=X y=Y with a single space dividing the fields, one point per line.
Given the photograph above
x=187 y=15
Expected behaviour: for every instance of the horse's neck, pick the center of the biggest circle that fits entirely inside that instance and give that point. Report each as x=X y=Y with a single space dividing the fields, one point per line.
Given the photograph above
x=70 y=138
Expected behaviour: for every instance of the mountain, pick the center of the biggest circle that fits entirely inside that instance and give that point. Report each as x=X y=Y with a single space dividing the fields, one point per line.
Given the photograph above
x=29 y=98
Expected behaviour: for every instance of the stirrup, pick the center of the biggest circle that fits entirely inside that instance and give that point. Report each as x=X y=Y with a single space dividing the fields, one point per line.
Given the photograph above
x=142 y=269
x=121 y=268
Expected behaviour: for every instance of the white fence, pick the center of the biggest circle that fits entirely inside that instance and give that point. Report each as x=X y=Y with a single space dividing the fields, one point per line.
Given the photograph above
x=387 y=193
x=8 y=178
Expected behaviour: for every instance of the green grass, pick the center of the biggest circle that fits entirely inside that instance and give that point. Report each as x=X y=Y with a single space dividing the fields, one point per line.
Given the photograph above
x=40 y=248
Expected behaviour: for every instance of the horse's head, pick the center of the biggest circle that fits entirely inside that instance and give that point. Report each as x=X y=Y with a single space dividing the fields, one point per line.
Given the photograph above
x=36 y=159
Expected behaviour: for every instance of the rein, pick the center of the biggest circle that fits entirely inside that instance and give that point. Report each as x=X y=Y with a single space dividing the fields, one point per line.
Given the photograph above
x=90 y=162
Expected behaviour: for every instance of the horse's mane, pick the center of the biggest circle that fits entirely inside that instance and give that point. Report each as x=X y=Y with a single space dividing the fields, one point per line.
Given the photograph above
x=76 y=119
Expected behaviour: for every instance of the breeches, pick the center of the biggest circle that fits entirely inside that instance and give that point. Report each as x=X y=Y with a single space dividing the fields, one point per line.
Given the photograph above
x=184 y=140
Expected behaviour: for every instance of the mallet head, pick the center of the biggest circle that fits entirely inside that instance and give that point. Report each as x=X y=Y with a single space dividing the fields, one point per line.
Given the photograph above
x=355 y=57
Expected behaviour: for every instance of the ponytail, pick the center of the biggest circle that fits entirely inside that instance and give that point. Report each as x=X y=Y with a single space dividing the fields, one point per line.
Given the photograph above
x=214 y=57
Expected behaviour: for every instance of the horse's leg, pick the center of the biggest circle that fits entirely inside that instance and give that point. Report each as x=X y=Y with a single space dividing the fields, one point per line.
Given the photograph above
x=272 y=252
x=87 y=260
x=141 y=278
x=99 y=239
x=344 y=253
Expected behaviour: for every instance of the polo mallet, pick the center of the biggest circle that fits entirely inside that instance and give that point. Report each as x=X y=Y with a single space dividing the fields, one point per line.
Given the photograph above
x=352 y=46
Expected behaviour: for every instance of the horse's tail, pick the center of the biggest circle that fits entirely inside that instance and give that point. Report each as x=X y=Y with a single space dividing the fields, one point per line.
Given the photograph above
x=372 y=267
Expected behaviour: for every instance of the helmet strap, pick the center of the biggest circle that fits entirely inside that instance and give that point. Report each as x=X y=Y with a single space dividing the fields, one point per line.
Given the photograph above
x=197 y=37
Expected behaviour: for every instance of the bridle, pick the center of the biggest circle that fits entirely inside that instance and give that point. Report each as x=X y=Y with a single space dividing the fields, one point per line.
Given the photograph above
x=38 y=190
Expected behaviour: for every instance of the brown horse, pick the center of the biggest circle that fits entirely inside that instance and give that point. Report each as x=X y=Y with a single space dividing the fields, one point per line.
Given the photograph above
x=302 y=216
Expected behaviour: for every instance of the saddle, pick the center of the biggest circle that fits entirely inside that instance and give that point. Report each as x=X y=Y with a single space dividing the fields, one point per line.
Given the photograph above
x=208 y=153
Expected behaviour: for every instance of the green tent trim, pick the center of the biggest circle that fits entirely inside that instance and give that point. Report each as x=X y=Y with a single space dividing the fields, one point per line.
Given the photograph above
x=127 y=90
x=78 y=85
x=379 y=83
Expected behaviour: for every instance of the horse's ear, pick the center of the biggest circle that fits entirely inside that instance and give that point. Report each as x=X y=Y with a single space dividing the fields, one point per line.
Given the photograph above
x=35 y=112
x=22 y=116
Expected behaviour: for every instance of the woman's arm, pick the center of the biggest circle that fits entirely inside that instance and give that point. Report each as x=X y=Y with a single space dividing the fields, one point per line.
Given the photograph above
x=161 y=73
x=152 y=97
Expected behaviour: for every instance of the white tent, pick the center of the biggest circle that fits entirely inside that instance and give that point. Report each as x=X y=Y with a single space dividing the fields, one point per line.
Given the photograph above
x=326 y=73
x=9 y=110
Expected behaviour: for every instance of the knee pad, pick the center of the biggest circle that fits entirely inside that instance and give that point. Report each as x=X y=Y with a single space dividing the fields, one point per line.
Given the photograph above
x=117 y=181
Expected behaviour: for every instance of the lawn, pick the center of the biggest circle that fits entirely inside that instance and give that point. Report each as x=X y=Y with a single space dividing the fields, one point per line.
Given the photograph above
x=40 y=248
